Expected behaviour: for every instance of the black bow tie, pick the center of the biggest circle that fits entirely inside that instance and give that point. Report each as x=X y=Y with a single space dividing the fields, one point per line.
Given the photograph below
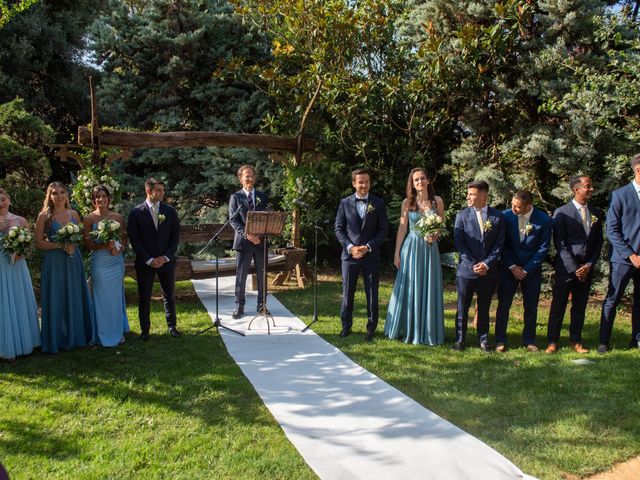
x=361 y=199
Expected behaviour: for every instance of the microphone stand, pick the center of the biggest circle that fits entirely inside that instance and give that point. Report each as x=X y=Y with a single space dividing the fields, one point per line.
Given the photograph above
x=217 y=323
x=315 y=277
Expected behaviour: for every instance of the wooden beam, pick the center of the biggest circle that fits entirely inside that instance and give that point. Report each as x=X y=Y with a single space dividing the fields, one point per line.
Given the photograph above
x=95 y=125
x=123 y=139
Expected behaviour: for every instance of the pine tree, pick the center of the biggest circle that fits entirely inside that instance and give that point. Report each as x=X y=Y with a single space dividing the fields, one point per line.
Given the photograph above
x=159 y=61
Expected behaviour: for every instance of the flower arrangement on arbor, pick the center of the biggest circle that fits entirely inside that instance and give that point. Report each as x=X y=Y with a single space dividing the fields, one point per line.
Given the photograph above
x=90 y=177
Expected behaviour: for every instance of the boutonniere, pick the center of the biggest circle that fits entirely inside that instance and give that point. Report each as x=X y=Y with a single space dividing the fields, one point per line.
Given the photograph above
x=370 y=208
x=487 y=225
x=528 y=228
x=258 y=200
x=594 y=220
x=161 y=218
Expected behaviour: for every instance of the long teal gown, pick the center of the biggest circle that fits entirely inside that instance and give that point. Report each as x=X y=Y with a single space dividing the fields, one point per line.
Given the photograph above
x=416 y=308
x=19 y=329
x=67 y=316
x=107 y=295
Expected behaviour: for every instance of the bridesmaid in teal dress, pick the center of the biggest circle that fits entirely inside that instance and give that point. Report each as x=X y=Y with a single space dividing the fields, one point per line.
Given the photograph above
x=107 y=272
x=19 y=329
x=67 y=318
x=416 y=308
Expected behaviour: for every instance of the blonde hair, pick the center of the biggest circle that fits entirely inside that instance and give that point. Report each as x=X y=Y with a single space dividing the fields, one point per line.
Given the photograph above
x=47 y=205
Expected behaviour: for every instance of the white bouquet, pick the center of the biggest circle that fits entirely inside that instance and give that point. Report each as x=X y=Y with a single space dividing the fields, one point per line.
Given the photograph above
x=69 y=234
x=17 y=241
x=106 y=230
x=431 y=225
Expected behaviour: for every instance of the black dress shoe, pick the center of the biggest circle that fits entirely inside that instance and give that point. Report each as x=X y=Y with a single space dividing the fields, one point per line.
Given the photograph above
x=485 y=347
x=144 y=336
x=458 y=346
x=174 y=332
x=634 y=344
x=238 y=313
x=345 y=332
x=369 y=336
x=602 y=349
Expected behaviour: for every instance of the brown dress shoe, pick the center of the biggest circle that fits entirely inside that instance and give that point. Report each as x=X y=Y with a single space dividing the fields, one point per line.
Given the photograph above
x=501 y=348
x=551 y=348
x=579 y=348
x=531 y=348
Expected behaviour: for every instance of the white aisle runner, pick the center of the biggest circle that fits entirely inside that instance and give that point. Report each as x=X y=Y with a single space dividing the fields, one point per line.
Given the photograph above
x=345 y=421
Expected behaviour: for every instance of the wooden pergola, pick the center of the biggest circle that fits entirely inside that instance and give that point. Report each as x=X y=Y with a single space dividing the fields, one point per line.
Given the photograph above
x=124 y=142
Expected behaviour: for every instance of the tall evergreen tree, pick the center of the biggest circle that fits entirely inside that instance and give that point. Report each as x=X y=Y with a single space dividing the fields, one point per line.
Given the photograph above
x=510 y=67
x=42 y=53
x=158 y=60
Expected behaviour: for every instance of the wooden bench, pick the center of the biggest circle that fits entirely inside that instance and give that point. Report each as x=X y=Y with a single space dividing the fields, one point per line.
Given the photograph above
x=280 y=259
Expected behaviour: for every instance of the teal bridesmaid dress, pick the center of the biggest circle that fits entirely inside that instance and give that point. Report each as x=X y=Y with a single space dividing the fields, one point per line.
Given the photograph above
x=19 y=329
x=107 y=295
x=416 y=308
x=67 y=316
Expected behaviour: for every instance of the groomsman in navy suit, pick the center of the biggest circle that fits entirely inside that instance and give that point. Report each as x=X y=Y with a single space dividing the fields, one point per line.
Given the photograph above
x=527 y=240
x=361 y=226
x=478 y=237
x=154 y=229
x=577 y=236
x=623 y=232
x=246 y=245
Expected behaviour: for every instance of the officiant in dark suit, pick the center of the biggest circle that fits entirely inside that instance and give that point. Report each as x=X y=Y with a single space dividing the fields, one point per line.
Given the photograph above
x=154 y=229
x=478 y=237
x=623 y=232
x=247 y=246
x=526 y=245
x=577 y=236
x=361 y=227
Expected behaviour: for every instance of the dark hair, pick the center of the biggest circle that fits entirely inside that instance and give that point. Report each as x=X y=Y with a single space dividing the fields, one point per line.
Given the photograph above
x=576 y=181
x=243 y=168
x=635 y=160
x=479 y=185
x=524 y=196
x=100 y=188
x=359 y=171
x=411 y=191
x=151 y=182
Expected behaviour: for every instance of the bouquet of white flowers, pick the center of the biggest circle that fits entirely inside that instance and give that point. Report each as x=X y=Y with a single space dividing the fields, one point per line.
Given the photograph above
x=431 y=224
x=69 y=234
x=106 y=230
x=17 y=241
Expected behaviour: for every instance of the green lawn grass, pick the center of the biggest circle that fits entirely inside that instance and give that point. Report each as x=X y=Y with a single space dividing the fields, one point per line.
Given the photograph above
x=544 y=412
x=181 y=408
x=167 y=408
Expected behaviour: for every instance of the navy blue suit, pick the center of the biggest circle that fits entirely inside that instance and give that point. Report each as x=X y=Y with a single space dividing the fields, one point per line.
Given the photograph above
x=473 y=248
x=246 y=250
x=574 y=248
x=371 y=231
x=529 y=255
x=623 y=232
x=149 y=242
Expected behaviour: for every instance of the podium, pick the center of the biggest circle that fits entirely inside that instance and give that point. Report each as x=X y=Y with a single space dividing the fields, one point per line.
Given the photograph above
x=264 y=225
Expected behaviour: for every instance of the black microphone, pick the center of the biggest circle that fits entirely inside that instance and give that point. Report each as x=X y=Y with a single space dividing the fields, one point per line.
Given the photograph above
x=300 y=203
x=237 y=211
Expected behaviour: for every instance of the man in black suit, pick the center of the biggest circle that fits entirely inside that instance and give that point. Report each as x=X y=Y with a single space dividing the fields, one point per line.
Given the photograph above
x=623 y=232
x=577 y=236
x=247 y=246
x=361 y=226
x=478 y=237
x=154 y=230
